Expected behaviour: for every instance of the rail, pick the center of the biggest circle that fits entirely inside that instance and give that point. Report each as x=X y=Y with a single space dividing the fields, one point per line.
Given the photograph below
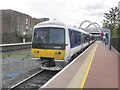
x=23 y=81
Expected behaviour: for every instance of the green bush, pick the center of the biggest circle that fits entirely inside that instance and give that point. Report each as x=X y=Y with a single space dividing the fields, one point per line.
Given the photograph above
x=116 y=33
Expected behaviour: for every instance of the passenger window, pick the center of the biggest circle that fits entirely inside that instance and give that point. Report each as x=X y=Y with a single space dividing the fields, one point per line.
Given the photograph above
x=75 y=37
x=79 y=38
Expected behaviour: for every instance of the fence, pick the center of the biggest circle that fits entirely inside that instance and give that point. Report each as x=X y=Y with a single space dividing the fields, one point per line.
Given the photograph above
x=16 y=46
x=116 y=43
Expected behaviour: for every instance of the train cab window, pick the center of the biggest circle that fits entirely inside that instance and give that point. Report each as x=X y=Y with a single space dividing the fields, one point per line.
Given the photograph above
x=56 y=35
x=40 y=35
x=49 y=35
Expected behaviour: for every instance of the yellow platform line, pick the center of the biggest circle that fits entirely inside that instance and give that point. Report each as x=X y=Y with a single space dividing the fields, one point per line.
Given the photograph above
x=78 y=81
x=86 y=74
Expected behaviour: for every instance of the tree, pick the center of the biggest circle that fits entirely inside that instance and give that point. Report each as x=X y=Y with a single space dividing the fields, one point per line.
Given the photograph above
x=105 y=24
x=112 y=17
x=112 y=21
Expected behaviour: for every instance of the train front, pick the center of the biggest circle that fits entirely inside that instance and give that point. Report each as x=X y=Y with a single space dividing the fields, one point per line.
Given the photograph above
x=48 y=46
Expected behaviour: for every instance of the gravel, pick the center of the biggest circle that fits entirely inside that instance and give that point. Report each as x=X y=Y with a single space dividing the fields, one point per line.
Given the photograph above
x=16 y=66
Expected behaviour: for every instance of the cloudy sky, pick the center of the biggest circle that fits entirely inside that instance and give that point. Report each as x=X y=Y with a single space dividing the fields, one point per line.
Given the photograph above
x=71 y=12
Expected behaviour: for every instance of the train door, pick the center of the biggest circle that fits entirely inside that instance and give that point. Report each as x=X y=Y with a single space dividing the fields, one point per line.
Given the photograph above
x=82 y=41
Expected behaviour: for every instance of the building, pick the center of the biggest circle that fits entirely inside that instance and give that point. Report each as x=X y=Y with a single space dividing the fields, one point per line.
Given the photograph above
x=44 y=19
x=16 y=26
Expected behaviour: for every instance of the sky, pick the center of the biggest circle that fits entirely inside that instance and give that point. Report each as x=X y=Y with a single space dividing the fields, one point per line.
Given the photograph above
x=71 y=12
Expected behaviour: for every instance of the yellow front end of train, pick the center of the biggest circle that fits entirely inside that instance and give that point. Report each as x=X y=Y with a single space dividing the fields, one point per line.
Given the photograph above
x=48 y=46
x=48 y=53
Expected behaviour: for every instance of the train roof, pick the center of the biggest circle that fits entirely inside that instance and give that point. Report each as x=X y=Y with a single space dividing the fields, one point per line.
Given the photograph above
x=58 y=23
x=77 y=29
x=50 y=22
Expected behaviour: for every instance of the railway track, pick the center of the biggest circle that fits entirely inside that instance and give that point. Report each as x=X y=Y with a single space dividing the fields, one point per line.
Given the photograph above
x=35 y=81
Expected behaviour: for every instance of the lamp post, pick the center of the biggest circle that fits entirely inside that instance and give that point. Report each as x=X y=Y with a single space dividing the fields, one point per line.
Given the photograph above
x=24 y=33
x=110 y=38
x=110 y=43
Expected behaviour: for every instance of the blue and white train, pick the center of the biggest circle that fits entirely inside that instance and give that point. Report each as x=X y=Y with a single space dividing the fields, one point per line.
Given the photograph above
x=55 y=43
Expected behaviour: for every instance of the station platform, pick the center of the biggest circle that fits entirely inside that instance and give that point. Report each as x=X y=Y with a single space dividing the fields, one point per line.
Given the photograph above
x=96 y=67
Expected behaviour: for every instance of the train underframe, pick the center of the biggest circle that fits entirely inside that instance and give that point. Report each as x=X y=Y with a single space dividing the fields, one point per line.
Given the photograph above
x=51 y=64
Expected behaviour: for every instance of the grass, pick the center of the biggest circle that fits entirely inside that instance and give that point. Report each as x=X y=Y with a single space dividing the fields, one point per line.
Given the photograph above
x=18 y=54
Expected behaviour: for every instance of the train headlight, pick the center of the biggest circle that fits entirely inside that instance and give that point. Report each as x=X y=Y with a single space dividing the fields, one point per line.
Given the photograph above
x=36 y=51
x=58 y=53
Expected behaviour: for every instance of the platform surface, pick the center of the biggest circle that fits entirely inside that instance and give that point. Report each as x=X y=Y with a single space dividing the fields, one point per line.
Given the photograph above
x=96 y=67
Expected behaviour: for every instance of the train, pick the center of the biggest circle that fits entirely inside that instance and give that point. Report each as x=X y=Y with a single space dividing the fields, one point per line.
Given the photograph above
x=54 y=43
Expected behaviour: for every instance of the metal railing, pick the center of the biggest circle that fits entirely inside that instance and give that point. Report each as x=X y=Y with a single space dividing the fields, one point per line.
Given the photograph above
x=15 y=46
